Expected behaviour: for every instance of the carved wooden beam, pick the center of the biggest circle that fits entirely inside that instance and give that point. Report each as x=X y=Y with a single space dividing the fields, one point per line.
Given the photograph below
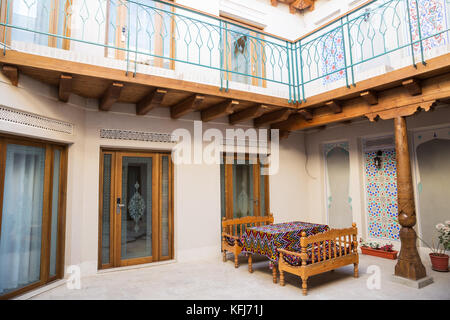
x=272 y=117
x=184 y=107
x=370 y=97
x=150 y=101
x=306 y=114
x=111 y=95
x=65 y=87
x=413 y=86
x=218 y=110
x=403 y=111
x=409 y=264
x=12 y=73
x=290 y=122
x=247 y=114
x=334 y=106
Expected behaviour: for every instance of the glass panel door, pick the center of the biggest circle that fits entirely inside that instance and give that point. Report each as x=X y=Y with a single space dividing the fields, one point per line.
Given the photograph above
x=136 y=208
x=244 y=190
x=21 y=227
x=136 y=205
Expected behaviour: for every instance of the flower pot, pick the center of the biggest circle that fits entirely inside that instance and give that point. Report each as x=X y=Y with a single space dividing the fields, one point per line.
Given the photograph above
x=439 y=262
x=379 y=253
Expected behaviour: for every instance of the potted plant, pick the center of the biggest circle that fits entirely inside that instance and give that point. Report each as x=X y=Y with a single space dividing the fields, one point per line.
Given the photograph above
x=439 y=260
x=374 y=249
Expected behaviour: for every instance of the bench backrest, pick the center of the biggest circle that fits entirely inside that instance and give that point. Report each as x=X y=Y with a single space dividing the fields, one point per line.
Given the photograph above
x=335 y=238
x=236 y=227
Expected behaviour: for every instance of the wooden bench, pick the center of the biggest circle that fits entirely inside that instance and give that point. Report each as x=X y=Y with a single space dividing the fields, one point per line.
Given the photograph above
x=233 y=229
x=321 y=253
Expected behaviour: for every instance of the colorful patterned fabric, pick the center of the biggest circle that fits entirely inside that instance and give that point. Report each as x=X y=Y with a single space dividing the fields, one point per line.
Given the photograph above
x=318 y=252
x=266 y=239
x=332 y=55
x=381 y=192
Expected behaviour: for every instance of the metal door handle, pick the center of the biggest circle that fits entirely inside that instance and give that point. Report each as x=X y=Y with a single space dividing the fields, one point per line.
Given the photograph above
x=119 y=206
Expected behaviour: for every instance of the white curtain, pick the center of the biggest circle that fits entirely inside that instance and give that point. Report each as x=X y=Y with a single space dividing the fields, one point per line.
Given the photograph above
x=20 y=239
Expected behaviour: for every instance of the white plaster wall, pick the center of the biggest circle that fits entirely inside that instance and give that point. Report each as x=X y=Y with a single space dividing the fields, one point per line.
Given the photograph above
x=196 y=187
x=353 y=134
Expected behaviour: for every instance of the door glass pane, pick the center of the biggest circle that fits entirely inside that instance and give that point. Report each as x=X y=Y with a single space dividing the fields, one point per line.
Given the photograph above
x=20 y=240
x=55 y=211
x=106 y=218
x=33 y=15
x=243 y=190
x=165 y=207
x=137 y=212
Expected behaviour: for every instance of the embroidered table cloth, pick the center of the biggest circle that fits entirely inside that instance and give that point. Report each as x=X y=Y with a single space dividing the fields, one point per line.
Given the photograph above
x=265 y=240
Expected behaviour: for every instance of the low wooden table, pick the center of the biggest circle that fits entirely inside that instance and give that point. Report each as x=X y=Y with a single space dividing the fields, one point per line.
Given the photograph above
x=265 y=240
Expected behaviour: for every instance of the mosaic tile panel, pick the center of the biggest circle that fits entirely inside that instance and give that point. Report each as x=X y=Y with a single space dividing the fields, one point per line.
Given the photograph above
x=332 y=53
x=381 y=193
x=432 y=20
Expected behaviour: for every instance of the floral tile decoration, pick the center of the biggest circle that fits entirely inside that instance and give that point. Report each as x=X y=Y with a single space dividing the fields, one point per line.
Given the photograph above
x=381 y=193
x=333 y=58
x=432 y=20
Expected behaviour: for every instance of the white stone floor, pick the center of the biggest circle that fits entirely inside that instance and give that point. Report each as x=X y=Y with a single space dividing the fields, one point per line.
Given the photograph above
x=214 y=279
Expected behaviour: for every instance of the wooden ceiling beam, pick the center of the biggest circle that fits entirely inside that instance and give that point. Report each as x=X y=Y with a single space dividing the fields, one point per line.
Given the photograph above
x=247 y=114
x=413 y=86
x=12 y=73
x=370 y=97
x=150 y=101
x=187 y=105
x=65 y=87
x=334 y=106
x=284 y=134
x=392 y=101
x=111 y=95
x=272 y=117
x=219 y=110
x=306 y=114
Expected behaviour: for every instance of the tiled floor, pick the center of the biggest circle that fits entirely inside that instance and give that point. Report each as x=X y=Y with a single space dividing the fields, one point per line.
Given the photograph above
x=217 y=280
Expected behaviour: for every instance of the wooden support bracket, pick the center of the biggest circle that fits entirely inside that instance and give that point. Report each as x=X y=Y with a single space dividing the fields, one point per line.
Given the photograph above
x=65 y=87
x=188 y=105
x=219 y=110
x=272 y=117
x=150 y=101
x=247 y=114
x=413 y=86
x=370 y=97
x=111 y=95
x=12 y=73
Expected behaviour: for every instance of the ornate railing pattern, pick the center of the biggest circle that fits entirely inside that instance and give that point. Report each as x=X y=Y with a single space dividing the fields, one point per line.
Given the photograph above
x=161 y=34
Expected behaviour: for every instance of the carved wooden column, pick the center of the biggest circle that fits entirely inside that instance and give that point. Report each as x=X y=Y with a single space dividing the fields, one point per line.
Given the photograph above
x=409 y=264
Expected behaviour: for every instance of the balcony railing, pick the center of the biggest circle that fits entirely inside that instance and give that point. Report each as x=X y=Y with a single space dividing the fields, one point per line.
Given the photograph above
x=160 y=36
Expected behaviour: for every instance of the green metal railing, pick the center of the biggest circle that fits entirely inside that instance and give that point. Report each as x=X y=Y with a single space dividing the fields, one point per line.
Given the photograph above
x=161 y=34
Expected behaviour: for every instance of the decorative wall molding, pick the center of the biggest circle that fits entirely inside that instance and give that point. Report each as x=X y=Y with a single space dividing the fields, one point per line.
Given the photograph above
x=28 y=119
x=117 y=134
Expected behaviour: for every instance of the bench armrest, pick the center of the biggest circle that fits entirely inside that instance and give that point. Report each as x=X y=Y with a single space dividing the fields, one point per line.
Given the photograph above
x=229 y=236
x=292 y=253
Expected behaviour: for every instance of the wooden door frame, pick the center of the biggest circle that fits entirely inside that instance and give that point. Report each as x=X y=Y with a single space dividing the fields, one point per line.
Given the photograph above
x=115 y=219
x=5 y=32
x=121 y=21
x=49 y=147
x=228 y=180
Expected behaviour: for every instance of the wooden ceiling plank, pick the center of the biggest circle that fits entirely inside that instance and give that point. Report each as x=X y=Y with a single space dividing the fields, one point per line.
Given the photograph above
x=65 y=87
x=187 y=105
x=12 y=73
x=334 y=106
x=272 y=117
x=413 y=86
x=219 y=110
x=247 y=114
x=111 y=95
x=150 y=101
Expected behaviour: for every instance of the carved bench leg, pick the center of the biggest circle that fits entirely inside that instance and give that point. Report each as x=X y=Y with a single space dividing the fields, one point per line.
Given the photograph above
x=274 y=273
x=304 y=286
x=224 y=256
x=250 y=265
x=282 y=278
x=236 y=262
x=355 y=270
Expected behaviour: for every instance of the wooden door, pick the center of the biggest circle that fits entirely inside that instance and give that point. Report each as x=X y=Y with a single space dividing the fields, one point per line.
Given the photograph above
x=245 y=191
x=136 y=211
